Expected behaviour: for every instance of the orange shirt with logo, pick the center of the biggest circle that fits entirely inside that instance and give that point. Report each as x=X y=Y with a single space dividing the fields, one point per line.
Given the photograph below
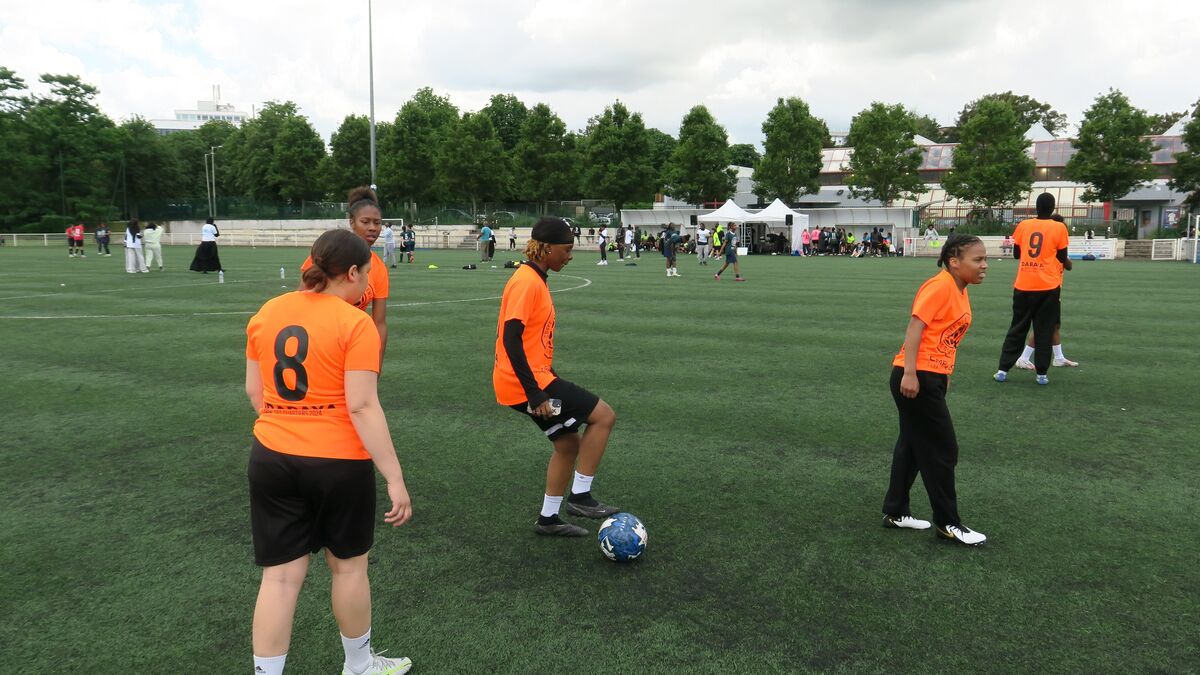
x=304 y=343
x=378 y=283
x=526 y=298
x=946 y=313
x=1040 y=240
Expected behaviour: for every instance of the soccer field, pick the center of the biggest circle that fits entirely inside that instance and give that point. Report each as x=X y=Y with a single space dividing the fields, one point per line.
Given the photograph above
x=754 y=435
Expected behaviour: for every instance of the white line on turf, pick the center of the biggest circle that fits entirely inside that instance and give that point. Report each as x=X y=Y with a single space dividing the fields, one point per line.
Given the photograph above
x=585 y=284
x=122 y=290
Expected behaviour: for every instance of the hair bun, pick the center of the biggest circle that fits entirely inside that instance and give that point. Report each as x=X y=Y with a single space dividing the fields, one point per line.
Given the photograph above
x=361 y=193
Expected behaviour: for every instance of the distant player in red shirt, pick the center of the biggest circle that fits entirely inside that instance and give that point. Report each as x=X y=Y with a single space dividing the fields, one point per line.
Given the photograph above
x=75 y=241
x=941 y=314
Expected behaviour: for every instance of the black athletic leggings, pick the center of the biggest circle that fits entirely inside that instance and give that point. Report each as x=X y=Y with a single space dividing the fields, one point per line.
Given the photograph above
x=1040 y=309
x=926 y=445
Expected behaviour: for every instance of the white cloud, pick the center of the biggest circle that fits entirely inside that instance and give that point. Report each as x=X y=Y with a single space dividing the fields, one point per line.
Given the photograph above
x=660 y=58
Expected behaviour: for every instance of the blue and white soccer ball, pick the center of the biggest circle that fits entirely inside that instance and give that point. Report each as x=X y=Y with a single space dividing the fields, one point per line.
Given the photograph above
x=622 y=537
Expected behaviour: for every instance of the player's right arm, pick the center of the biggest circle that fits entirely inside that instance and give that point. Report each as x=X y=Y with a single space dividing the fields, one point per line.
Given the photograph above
x=254 y=385
x=362 y=402
x=909 y=386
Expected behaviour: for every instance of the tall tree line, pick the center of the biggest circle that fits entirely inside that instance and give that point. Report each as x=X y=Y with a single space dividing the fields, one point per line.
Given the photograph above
x=67 y=160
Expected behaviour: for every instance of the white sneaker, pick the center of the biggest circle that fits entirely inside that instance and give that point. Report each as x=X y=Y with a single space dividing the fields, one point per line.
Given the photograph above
x=905 y=522
x=1024 y=364
x=1064 y=362
x=674 y=273
x=961 y=534
x=382 y=666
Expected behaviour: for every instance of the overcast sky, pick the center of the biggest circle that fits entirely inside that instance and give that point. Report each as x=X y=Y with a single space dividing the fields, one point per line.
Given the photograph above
x=661 y=58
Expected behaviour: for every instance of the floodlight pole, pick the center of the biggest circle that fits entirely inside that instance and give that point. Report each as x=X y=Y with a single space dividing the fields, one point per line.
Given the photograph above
x=371 y=77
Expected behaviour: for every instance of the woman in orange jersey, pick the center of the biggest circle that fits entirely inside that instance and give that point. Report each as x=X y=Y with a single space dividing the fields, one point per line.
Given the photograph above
x=312 y=363
x=366 y=221
x=524 y=379
x=941 y=314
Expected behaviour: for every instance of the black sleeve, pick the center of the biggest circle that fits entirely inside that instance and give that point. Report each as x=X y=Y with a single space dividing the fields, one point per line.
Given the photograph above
x=1062 y=256
x=513 y=329
x=1016 y=251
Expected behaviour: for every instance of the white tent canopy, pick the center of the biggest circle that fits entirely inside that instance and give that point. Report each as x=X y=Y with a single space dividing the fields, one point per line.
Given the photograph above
x=777 y=212
x=728 y=213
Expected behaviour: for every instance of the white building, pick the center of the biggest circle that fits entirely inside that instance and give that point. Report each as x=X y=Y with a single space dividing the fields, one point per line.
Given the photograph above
x=205 y=111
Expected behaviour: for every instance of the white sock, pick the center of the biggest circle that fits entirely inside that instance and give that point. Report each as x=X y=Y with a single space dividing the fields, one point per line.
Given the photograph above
x=582 y=484
x=1058 y=352
x=269 y=665
x=358 y=652
x=551 y=505
x=1027 y=355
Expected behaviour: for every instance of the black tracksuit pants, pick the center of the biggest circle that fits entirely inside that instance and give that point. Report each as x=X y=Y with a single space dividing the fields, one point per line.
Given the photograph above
x=1041 y=309
x=926 y=445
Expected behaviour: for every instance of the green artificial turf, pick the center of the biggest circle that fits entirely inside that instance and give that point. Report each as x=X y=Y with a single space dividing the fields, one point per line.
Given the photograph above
x=754 y=435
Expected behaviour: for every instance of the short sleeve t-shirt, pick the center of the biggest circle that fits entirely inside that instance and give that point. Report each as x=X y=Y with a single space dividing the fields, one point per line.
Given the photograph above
x=304 y=343
x=603 y=236
x=485 y=234
x=526 y=298
x=77 y=232
x=946 y=312
x=702 y=235
x=378 y=282
x=1040 y=240
x=408 y=236
x=208 y=232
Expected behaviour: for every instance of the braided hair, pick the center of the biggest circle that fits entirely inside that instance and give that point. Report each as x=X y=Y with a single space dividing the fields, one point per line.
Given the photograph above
x=954 y=247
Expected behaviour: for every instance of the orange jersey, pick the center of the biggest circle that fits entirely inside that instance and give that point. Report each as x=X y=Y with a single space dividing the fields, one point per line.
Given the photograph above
x=1040 y=240
x=526 y=298
x=378 y=283
x=304 y=343
x=946 y=312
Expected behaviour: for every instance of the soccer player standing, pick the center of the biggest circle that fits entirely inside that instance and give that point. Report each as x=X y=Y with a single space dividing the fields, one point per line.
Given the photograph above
x=524 y=380
x=366 y=221
x=941 y=314
x=312 y=370
x=728 y=248
x=1040 y=246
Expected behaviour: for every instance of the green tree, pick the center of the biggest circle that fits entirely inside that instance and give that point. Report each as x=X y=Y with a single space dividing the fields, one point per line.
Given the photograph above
x=190 y=148
x=1161 y=122
x=698 y=171
x=662 y=145
x=744 y=154
x=885 y=163
x=276 y=156
x=618 y=157
x=1187 y=166
x=546 y=158
x=1111 y=154
x=791 y=164
x=472 y=162
x=992 y=166
x=75 y=149
x=928 y=127
x=507 y=114
x=150 y=167
x=1029 y=110
x=406 y=165
x=19 y=164
x=348 y=163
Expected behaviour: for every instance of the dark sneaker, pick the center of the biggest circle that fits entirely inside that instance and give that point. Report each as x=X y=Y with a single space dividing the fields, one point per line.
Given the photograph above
x=594 y=510
x=961 y=534
x=560 y=529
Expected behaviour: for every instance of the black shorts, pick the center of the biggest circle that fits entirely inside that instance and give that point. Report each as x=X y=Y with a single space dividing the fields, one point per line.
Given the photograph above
x=300 y=504
x=577 y=405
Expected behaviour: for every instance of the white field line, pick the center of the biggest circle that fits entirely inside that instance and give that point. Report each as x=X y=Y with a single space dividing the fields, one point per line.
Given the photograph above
x=585 y=284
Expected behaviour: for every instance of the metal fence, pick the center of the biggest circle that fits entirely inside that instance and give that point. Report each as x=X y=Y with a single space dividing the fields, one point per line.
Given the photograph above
x=425 y=239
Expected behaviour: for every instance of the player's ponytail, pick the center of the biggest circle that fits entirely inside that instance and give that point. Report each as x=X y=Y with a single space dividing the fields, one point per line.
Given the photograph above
x=333 y=254
x=954 y=246
x=360 y=198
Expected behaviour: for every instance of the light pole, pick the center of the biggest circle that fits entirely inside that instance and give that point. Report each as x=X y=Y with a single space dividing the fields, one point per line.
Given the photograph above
x=371 y=77
x=210 y=179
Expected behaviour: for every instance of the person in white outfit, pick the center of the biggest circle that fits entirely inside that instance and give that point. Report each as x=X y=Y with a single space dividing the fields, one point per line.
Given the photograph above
x=152 y=244
x=630 y=249
x=134 y=261
x=602 y=237
x=389 y=245
x=703 y=248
